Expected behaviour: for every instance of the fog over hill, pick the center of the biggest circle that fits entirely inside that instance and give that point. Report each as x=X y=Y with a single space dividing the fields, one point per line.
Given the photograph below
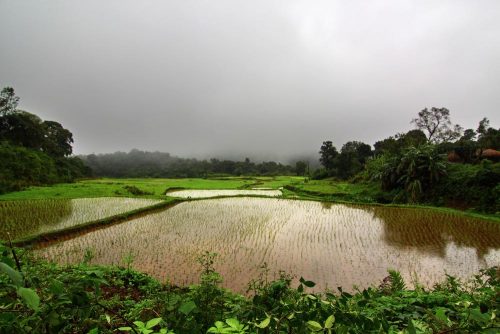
x=269 y=80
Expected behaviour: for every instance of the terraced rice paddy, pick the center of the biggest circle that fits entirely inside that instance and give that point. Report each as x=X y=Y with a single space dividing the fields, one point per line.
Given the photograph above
x=205 y=193
x=332 y=244
x=29 y=217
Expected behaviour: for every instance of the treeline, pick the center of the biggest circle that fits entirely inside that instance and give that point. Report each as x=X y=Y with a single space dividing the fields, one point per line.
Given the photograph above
x=138 y=163
x=33 y=151
x=437 y=163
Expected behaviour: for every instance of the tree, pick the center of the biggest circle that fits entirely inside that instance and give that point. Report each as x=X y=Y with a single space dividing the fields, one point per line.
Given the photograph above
x=301 y=168
x=412 y=138
x=484 y=124
x=468 y=134
x=328 y=153
x=415 y=170
x=394 y=145
x=465 y=148
x=22 y=128
x=352 y=158
x=437 y=125
x=57 y=140
x=488 y=137
x=8 y=101
x=388 y=145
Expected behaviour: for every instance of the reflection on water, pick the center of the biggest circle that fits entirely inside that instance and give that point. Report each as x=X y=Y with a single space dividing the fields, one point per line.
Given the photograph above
x=335 y=245
x=29 y=217
x=432 y=232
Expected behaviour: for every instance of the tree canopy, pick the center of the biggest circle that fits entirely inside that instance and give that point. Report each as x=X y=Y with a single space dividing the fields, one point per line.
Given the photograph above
x=33 y=151
x=437 y=125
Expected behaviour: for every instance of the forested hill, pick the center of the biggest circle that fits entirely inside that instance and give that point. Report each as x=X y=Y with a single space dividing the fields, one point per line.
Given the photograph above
x=138 y=163
x=33 y=151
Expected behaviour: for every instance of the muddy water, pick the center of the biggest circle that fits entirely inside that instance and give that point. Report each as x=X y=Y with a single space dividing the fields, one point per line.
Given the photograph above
x=28 y=217
x=333 y=245
x=203 y=193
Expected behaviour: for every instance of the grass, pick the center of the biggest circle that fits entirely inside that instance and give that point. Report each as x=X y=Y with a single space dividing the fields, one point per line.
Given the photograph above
x=115 y=187
x=107 y=187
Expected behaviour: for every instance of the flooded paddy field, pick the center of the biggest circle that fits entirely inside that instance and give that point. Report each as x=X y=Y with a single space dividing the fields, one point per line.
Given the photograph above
x=207 y=193
x=29 y=217
x=331 y=244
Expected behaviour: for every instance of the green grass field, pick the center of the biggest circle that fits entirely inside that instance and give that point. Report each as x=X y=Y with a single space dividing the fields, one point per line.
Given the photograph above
x=115 y=187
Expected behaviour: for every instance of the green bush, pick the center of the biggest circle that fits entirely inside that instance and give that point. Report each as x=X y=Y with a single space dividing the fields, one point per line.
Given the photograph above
x=21 y=167
x=40 y=297
x=471 y=186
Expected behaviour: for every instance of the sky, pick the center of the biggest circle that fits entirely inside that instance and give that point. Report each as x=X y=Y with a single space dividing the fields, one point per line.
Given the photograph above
x=265 y=79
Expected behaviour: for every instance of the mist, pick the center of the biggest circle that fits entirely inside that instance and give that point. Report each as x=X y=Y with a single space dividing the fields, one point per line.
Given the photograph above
x=269 y=80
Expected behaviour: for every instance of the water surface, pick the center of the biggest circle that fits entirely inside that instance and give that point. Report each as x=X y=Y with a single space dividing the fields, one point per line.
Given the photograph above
x=207 y=193
x=331 y=244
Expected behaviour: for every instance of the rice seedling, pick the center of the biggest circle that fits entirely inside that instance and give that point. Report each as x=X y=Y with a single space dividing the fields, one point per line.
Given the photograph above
x=338 y=245
x=28 y=217
x=207 y=193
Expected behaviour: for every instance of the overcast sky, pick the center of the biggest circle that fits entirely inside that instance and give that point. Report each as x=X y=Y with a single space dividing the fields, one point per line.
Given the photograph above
x=267 y=79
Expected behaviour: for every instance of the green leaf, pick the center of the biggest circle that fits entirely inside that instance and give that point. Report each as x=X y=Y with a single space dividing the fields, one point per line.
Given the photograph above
x=309 y=284
x=411 y=328
x=476 y=315
x=153 y=322
x=264 y=323
x=233 y=323
x=93 y=331
x=314 y=326
x=30 y=298
x=187 y=307
x=14 y=275
x=125 y=329
x=54 y=319
x=441 y=314
x=56 y=287
x=220 y=327
x=329 y=321
x=95 y=273
x=140 y=324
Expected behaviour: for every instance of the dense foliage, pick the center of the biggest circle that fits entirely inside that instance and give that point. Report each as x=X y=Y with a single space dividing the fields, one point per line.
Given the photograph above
x=471 y=185
x=32 y=151
x=138 y=163
x=40 y=297
x=437 y=163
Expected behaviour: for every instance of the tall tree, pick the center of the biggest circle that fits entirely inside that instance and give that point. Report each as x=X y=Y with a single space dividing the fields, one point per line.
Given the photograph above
x=328 y=153
x=488 y=137
x=301 y=168
x=57 y=140
x=352 y=158
x=23 y=129
x=437 y=125
x=8 y=101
